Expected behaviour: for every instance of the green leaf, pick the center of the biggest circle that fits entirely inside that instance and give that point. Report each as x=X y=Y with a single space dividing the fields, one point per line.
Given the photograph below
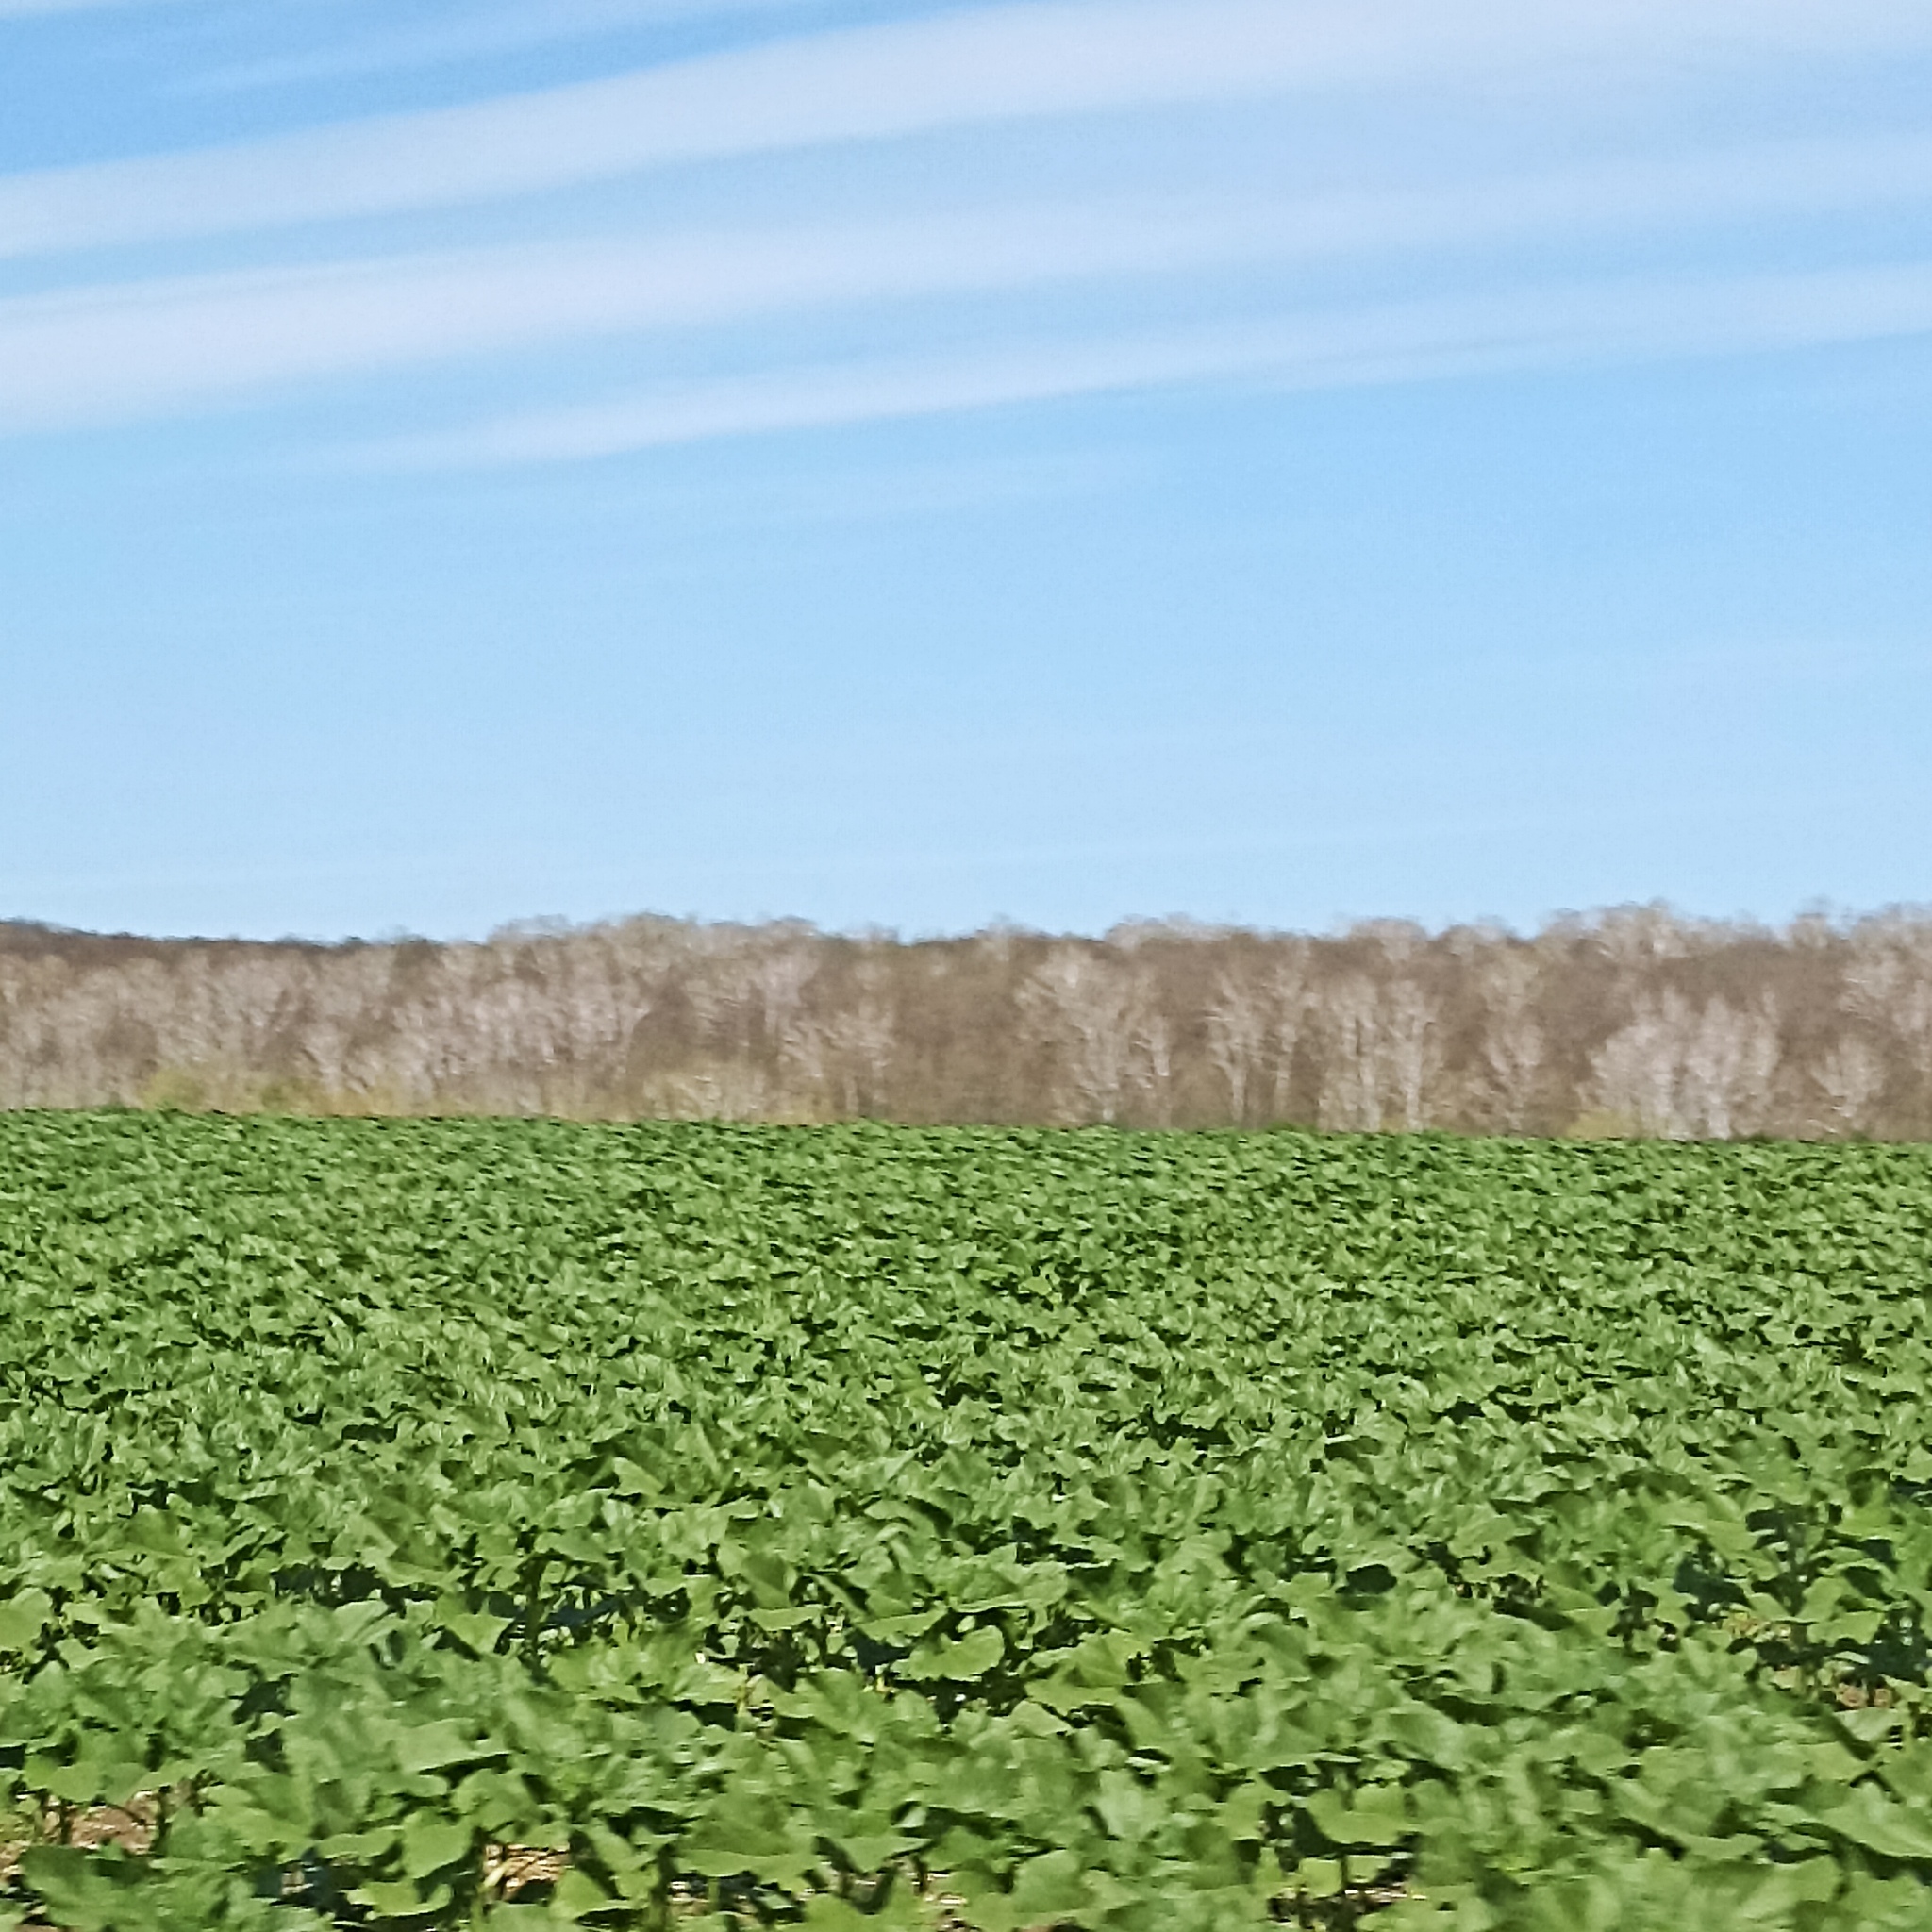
x=1867 y=1818
x=1049 y=1889
x=1316 y=1879
x=476 y=1631
x=432 y=1746
x=971 y=1656
x=577 y=1896
x=389 y=1899
x=1378 y=1816
x=751 y=1834
x=22 y=1618
x=872 y=1851
x=900 y=1911
x=827 y=1913
x=429 y=1843
x=1871 y=1724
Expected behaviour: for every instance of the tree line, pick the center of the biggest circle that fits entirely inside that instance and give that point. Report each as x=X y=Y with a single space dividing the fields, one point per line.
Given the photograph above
x=1633 y=1021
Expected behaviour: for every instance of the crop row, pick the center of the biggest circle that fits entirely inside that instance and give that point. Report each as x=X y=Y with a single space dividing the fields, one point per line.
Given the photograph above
x=469 y=1524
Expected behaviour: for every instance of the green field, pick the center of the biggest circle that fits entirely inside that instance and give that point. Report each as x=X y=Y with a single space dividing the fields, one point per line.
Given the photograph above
x=454 y=1524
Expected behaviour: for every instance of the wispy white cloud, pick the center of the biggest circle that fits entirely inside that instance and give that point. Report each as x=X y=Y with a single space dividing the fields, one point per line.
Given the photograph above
x=1403 y=342
x=477 y=33
x=983 y=64
x=21 y=10
x=99 y=354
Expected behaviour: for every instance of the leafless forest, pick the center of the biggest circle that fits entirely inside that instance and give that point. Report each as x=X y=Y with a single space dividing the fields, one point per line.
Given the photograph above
x=1631 y=1021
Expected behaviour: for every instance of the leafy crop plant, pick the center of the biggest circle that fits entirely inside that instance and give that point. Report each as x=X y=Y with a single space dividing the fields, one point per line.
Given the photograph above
x=501 y=1524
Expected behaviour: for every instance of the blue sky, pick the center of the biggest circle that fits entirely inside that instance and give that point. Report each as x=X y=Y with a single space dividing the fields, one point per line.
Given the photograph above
x=1280 y=461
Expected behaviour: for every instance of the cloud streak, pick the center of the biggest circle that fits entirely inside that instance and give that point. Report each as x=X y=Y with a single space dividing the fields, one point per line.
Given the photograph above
x=23 y=9
x=480 y=34
x=1050 y=58
x=129 y=350
x=97 y=355
x=1350 y=347
x=102 y=354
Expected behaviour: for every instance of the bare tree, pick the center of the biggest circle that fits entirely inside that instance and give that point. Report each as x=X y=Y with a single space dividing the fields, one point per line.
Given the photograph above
x=1636 y=1070
x=1288 y=993
x=1352 y=1039
x=1729 y=1063
x=1513 y=1043
x=1639 y=939
x=859 y=1043
x=1240 y=1019
x=782 y=976
x=724 y=988
x=1081 y=1005
x=1887 y=983
x=1851 y=1076
x=1411 y=1050
x=1653 y=1024
x=1683 y=1075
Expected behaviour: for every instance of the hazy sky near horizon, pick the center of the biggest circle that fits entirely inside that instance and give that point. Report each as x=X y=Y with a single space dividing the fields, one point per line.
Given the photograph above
x=908 y=464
